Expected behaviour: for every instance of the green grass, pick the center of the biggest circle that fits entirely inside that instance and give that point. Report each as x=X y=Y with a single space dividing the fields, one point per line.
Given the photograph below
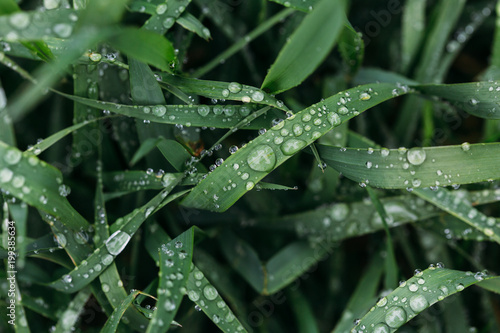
x=250 y=166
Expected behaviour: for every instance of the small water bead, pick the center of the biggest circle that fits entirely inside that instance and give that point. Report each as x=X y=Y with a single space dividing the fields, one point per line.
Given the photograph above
x=395 y=317
x=233 y=149
x=245 y=110
x=291 y=146
x=262 y=158
x=278 y=140
x=489 y=232
x=460 y=287
x=161 y=8
x=277 y=124
x=210 y=292
x=384 y=152
x=416 y=156
x=107 y=259
x=18 y=181
x=382 y=302
x=169 y=305
x=51 y=4
x=416 y=182
x=306 y=117
x=117 y=242
x=258 y=96
x=67 y=278
x=418 y=303
x=225 y=93
x=249 y=186
x=381 y=328
x=64 y=190
x=43 y=199
x=369 y=165
x=334 y=119
x=19 y=20
x=465 y=146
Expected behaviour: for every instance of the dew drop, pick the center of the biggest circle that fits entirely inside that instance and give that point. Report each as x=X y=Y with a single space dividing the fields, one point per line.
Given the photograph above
x=364 y=96
x=262 y=158
x=159 y=110
x=12 y=156
x=292 y=146
x=258 y=96
x=5 y=175
x=203 y=110
x=297 y=130
x=210 y=292
x=161 y=8
x=234 y=87
x=19 y=20
x=418 y=303
x=460 y=287
x=465 y=146
x=416 y=156
x=343 y=110
x=63 y=30
x=117 y=242
x=395 y=317
x=193 y=295
x=107 y=259
x=334 y=119
x=381 y=328
x=169 y=305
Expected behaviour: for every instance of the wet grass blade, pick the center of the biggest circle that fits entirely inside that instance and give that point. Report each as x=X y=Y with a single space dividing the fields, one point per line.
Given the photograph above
x=352 y=49
x=191 y=23
x=175 y=264
x=204 y=294
x=69 y=317
x=306 y=322
x=113 y=321
x=232 y=91
x=413 y=30
x=18 y=169
x=165 y=15
x=459 y=208
x=145 y=46
x=415 y=295
x=416 y=167
x=363 y=296
x=122 y=231
x=219 y=116
x=307 y=48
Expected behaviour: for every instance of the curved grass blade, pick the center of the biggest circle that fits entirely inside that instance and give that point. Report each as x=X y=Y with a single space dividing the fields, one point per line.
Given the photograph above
x=352 y=48
x=131 y=181
x=307 y=48
x=175 y=264
x=145 y=46
x=243 y=258
x=145 y=148
x=459 y=208
x=191 y=23
x=37 y=25
x=122 y=231
x=69 y=317
x=232 y=91
x=293 y=261
x=416 y=167
x=218 y=116
x=303 y=312
x=204 y=294
x=165 y=15
x=415 y=295
x=413 y=24
x=112 y=323
x=259 y=157
x=362 y=297
x=481 y=99
x=38 y=184
x=241 y=43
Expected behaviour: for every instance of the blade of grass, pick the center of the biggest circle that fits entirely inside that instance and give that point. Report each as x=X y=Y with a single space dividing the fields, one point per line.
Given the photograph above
x=308 y=46
x=416 y=167
x=415 y=295
x=69 y=317
x=38 y=184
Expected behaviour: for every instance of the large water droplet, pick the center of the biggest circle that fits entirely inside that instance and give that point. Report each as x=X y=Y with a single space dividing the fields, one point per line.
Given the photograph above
x=63 y=30
x=395 y=317
x=5 y=175
x=193 y=295
x=159 y=110
x=161 y=8
x=297 y=130
x=210 y=292
x=262 y=158
x=291 y=146
x=416 y=156
x=418 y=303
x=334 y=119
x=117 y=242
x=258 y=96
x=12 y=156
x=381 y=328
x=19 y=20
x=203 y=110
x=234 y=87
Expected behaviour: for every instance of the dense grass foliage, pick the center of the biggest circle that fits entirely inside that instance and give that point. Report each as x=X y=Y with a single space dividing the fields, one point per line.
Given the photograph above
x=250 y=166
